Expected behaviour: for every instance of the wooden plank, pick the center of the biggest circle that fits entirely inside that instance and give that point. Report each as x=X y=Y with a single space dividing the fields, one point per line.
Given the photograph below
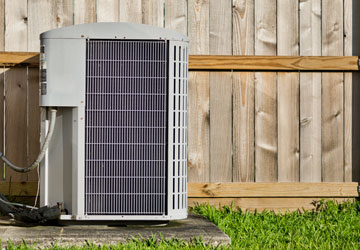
x=176 y=15
x=18 y=188
x=220 y=27
x=130 y=11
x=84 y=11
x=8 y=59
x=108 y=11
x=33 y=121
x=288 y=127
x=310 y=94
x=280 y=189
x=348 y=115
x=220 y=93
x=153 y=12
x=199 y=127
x=332 y=94
x=273 y=63
x=220 y=127
x=287 y=28
x=2 y=25
x=16 y=121
x=243 y=127
x=16 y=28
x=199 y=95
x=260 y=204
x=2 y=119
x=44 y=15
x=235 y=190
x=288 y=93
x=265 y=127
x=198 y=22
x=243 y=94
x=223 y=62
x=243 y=27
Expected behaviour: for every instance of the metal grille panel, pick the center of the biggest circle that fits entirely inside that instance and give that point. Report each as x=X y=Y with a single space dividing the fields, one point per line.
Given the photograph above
x=179 y=123
x=126 y=127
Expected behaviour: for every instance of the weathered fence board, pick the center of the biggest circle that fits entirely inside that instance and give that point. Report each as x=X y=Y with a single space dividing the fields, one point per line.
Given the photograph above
x=43 y=15
x=84 y=11
x=220 y=94
x=266 y=146
x=199 y=127
x=288 y=93
x=310 y=94
x=348 y=39
x=243 y=94
x=332 y=94
x=130 y=11
x=153 y=12
x=108 y=11
x=16 y=30
x=16 y=145
x=176 y=15
x=199 y=94
x=2 y=25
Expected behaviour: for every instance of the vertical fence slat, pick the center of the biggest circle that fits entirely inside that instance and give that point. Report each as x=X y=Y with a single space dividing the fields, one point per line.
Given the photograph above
x=16 y=121
x=153 y=12
x=288 y=93
x=16 y=28
x=108 y=11
x=84 y=11
x=288 y=127
x=45 y=15
x=176 y=15
x=2 y=117
x=220 y=93
x=332 y=93
x=198 y=22
x=243 y=94
x=348 y=92
x=198 y=137
x=199 y=95
x=310 y=94
x=130 y=11
x=33 y=128
x=265 y=94
x=16 y=32
x=2 y=25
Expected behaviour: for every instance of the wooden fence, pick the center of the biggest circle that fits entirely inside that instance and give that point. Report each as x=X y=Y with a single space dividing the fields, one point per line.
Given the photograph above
x=243 y=126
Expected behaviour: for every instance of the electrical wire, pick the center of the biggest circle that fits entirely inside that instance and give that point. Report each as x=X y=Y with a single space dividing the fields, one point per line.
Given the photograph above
x=43 y=149
x=38 y=187
x=17 y=204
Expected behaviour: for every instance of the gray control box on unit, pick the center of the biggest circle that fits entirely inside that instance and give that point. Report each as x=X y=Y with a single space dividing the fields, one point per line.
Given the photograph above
x=119 y=148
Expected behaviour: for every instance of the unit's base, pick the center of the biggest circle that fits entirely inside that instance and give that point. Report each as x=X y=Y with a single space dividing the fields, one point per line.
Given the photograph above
x=123 y=218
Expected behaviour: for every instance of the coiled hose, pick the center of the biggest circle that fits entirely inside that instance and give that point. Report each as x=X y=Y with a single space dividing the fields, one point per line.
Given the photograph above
x=43 y=148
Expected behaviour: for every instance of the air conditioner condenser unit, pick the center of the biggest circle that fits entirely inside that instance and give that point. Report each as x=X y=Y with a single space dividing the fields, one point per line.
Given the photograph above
x=119 y=146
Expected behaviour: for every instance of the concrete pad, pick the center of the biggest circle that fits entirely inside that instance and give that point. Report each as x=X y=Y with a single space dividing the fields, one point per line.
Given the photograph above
x=194 y=227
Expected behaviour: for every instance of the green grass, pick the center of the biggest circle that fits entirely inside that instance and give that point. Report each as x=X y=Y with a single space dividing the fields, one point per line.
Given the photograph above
x=331 y=226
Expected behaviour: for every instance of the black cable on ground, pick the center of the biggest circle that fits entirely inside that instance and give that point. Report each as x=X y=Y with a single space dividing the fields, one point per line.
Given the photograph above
x=23 y=214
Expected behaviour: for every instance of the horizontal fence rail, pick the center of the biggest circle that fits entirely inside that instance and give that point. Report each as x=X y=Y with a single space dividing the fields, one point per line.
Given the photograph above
x=274 y=63
x=231 y=189
x=226 y=63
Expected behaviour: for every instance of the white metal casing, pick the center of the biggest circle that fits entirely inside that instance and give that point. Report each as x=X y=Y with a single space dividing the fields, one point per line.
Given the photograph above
x=63 y=169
